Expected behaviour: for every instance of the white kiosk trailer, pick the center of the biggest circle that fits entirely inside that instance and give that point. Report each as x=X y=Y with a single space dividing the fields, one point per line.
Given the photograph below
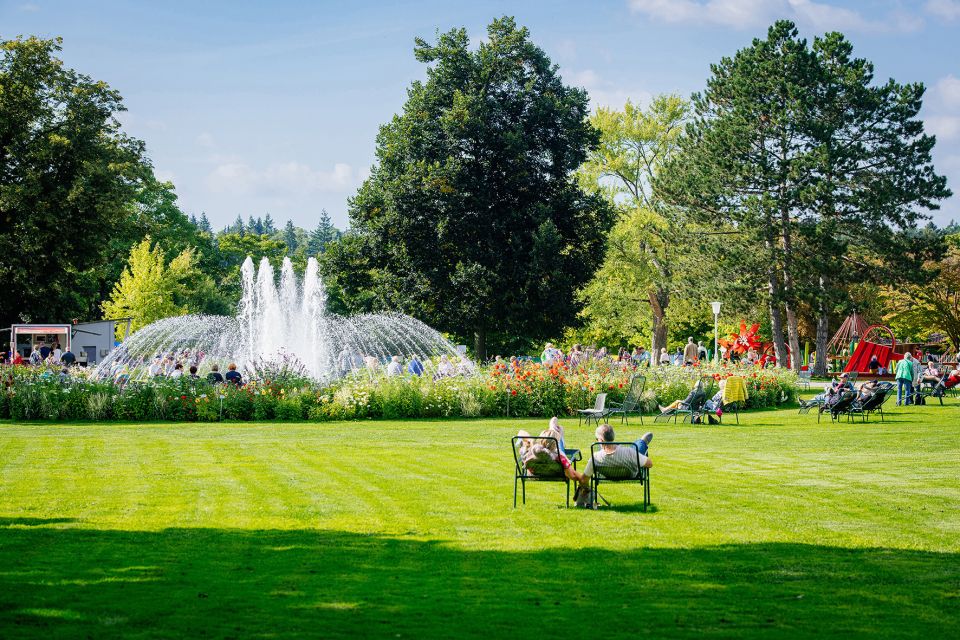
x=90 y=342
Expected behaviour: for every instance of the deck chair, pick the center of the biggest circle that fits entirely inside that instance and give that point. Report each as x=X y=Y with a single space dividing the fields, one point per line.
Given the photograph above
x=734 y=394
x=807 y=405
x=872 y=404
x=840 y=407
x=607 y=470
x=598 y=411
x=539 y=470
x=804 y=379
x=631 y=402
x=923 y=390
x=693 y=401
x=697 y=411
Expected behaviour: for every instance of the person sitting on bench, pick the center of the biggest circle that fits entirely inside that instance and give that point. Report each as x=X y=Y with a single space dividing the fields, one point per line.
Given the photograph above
x=613 y=454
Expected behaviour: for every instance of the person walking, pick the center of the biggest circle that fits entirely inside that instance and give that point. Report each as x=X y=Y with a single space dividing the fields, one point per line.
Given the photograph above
x=905 y=375
x=690 y=352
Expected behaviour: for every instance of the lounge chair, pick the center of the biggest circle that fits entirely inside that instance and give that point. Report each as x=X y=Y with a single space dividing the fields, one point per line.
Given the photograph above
x=840 y=406
x=734 y=393
x=872 y=404
x=693 y=402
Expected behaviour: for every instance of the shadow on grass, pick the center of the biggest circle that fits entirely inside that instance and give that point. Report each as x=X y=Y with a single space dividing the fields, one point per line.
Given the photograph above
x=34 y=522
x=208 y=582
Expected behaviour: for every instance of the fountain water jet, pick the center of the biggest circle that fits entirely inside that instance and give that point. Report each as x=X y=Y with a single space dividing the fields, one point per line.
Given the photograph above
x=275 y=325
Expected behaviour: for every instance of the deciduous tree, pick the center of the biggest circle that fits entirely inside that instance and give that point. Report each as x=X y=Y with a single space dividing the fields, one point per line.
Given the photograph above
x=471 y=217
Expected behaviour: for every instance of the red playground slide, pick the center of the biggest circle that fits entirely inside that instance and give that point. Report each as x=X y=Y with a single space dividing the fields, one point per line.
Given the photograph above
x=860 y=360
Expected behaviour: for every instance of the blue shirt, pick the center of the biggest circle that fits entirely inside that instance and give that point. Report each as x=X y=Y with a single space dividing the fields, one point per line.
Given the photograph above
x=415 y=367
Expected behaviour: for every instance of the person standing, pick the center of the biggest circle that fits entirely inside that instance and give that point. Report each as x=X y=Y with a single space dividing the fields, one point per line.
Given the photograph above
x=690 y=352
x=905 y=375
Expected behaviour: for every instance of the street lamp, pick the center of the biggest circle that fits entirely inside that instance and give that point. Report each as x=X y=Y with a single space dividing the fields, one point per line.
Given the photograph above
x=716 y=335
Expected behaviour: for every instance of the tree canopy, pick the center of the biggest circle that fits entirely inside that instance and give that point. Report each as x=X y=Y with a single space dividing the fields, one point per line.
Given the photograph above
x=68 y=176
x=471 y=218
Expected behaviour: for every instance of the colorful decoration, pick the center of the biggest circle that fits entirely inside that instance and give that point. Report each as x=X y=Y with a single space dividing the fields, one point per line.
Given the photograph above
x=740 y=343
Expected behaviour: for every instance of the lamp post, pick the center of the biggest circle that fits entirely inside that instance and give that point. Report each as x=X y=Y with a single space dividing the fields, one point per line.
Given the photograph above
x=716 y=335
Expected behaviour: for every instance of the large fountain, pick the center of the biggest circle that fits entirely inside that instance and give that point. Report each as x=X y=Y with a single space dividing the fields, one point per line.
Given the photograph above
x=281 y=326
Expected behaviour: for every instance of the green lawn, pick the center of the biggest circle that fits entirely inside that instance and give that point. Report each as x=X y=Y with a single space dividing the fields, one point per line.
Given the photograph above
x=777 y=528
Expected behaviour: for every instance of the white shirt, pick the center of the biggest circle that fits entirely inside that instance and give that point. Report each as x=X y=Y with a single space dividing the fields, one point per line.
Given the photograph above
x=394 y=369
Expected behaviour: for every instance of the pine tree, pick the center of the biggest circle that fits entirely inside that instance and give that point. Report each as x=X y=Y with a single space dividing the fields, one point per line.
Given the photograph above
x=268 y=227
x=290 y=237
x=237 y=227
x=193 y=220
x=204 y=223
x=324 y=234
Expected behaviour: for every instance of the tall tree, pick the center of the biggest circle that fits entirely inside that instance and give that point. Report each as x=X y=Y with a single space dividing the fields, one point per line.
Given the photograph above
x=324 y=234
x=204 y=223
x=68 y=178
x=795 y=148
x=290 y=237
x=268 y=227
x=742 y=156
x=650 y=239
x=150 y=289
x=870 y=173
x=471 y=217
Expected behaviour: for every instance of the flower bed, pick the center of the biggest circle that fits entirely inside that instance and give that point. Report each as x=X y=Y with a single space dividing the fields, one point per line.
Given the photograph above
x=532 y=390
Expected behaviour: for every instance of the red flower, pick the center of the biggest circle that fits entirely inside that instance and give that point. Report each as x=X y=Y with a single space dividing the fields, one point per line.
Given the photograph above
x=183 y=397
x=514 y=392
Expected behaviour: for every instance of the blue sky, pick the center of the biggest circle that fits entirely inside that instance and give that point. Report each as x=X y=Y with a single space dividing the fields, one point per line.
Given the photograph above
x=256 y=107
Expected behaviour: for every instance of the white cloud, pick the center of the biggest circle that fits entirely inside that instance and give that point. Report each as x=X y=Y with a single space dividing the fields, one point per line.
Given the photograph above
x=287 y=178
x=946 y=9
x=604 y=93
x=947 y=91
x=944 y=127
x=745 y=14
x=29 y=7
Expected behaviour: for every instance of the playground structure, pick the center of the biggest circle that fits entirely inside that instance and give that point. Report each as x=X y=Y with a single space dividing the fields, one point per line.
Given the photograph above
x=872 y=344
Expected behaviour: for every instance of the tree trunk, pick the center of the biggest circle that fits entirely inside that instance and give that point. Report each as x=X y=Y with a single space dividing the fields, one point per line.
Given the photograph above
x=823 y=338
x=793 y=336
x=480 y=344
x=773 y=304
x=659 y=301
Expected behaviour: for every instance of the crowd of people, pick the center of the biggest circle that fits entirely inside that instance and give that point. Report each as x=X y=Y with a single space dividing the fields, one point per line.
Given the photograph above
x=40 y=354
x=692 y=353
